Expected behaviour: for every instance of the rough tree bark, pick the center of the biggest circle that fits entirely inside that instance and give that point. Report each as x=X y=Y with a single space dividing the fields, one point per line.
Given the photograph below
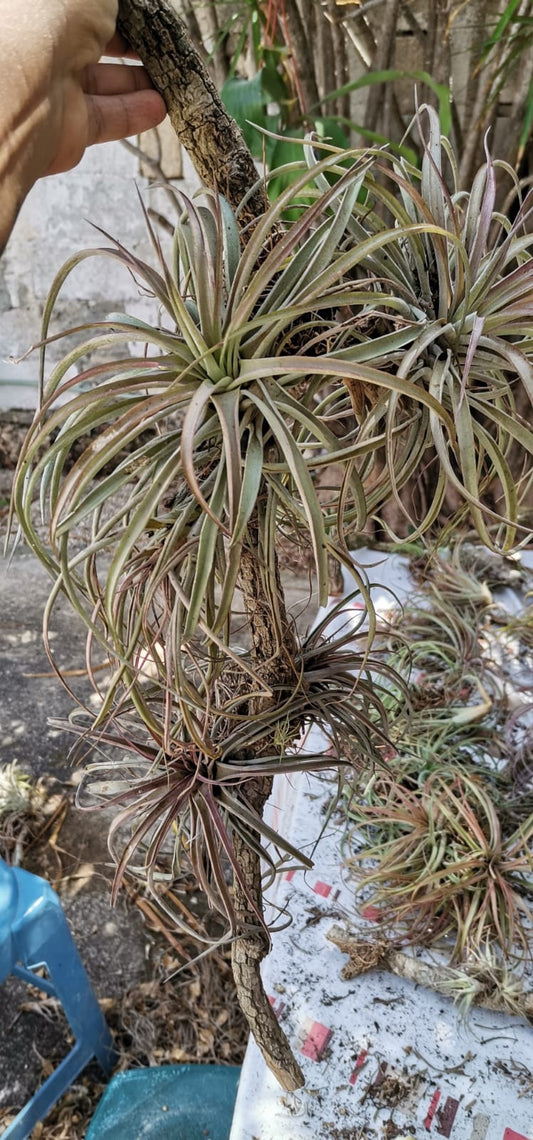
x=224 y=163
x=273 y=650
x=210 y=135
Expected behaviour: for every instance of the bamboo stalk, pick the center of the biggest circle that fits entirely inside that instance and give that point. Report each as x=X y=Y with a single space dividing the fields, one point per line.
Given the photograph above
x=383 y=59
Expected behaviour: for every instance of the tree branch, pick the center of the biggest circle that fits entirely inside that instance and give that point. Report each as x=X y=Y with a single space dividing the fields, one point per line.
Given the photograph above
x=223 y=161
x=210 y=135
x=367 y=955
x=273 y=650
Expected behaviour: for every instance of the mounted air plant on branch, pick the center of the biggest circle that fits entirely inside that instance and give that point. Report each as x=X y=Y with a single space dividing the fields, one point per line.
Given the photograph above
x=289 y=338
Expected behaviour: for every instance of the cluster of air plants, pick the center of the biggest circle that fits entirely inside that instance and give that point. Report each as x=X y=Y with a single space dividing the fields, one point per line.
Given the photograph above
x=520 y=628
x=443 y=865
x=439 y=841
x=435 y=643
x=374 y=318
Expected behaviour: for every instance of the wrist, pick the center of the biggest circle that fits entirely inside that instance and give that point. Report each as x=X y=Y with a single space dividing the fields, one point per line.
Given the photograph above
x=23 y=130
x=26 y=82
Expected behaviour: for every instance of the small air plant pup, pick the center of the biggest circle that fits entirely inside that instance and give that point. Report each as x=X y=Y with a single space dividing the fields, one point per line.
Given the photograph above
x=22 y=808
x=15 y=790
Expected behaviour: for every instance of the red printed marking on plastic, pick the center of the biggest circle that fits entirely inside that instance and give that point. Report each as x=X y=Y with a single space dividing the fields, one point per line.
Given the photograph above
x=358 y=1065
x=447 y=1116
x=510 y=1134
x=432 y=1110
x=322 y=889
x=318 y=1037
x=289 y=875
x=277 y=1006
x=371 y=913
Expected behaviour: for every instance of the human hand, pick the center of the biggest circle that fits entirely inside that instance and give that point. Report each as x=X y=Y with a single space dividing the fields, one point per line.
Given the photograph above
x=103 y=102
x=56 y=98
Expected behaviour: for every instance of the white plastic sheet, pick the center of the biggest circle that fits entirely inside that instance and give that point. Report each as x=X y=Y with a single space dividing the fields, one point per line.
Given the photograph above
x=383 y=1059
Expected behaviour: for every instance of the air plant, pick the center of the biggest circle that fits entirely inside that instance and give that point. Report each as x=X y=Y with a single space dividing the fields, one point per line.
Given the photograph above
x=441 y=867
x=193 y=799
x=16 y=790
x=438 y=646
x=484 y=979
x=436 y=641
x=333 y=336
x=445 y=576
x=520 y=628
x=485 y=569
x=22 y=809
x=449 y=644
x=519 y=743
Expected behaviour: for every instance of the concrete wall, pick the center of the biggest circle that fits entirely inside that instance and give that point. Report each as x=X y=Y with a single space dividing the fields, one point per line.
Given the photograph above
x=54 y=224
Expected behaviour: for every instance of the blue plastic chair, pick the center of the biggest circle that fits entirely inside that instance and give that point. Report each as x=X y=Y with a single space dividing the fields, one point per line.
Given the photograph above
x=34 y=933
